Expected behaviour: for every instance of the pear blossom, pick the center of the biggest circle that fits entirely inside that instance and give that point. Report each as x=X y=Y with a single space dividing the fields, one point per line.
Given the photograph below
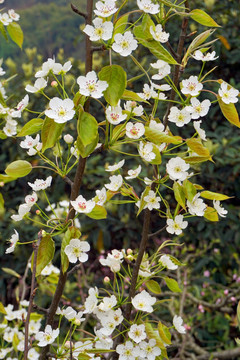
x=103 y=341
x=2 y=90
x=101 y=196
x=31 y=199
x=39 y=85
x=63 y=69
x=72 y=315
x=158 y=34
x=81 y=205
x=179 y=117
x=156 y=126
x=145 y=151
x=23 y=103
x=137 y=333
x=196 y=206
x=115 y=167
x=13 y=242
x=115 y=184
x=132 y=174
x=150 y=349
x=113 y=260
x=22 y=211
x=175 y=226
x=134 y=131
x=13 y=15
x=33 y=354
x=40 y=184
x=105 y=8
x=2 y=72
x=108 y=303
x=220 y=210
x=148 y=6
x=91 y=301
x=200 y=131
x=5 y=19
x=177 y=322
x=191 y=86
x=163 y=69
x=198 y=109
x=143 y=301
x=163 y=87
x=114 y=115
x=148 y=92
x=47 y=336
x=30 y=142
x=228 y=94
x=60 y=110
x=89 y=85
x=198 y=55
x=10 y=128
x=124 y=44
x=127 y=351
x=132 y=107
x=100 y=30
x=167 y=262
x=76 y=250
x=152 y=201
x=177 y=169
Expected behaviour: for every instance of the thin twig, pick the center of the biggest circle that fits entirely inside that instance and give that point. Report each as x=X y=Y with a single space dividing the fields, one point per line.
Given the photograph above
x=157 y=232
x=32 y=293
x=75 y=9
x=23 y=285
x=68 y=181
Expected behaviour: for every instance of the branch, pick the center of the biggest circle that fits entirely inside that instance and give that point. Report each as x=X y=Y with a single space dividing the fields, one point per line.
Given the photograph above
x=157 y=232
x=32 y=293
x=68 y=181
x=225 y=354
x=75 y=9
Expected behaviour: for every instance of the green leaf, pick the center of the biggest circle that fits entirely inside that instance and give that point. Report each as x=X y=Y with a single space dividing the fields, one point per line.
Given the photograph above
x=189 y=190
x=158 y=137
x=146 y=24
x=237 y=341
x=85 y=151
x=172 y=285
x=199 y=40
x=2 y=309
x=179 y=194
x=35 y=316
x=15 y=342
x=211 y=214
x=203 y=18
x=142 y=202
x=116 y=78
x=153 y=286
x=19 y=168
x=98 y=213
x=3 y=136
x=158 y=158
x=120 y=25
x=83 y=356
x=50 y=133
x=87 y=128
x=164 y=333
x=15 y=33
x=152 y=334
x=45 y=253
x=213 y=196
x=3 y=31
x=32 y=127
x=196 y=146
x=154 y=46
x=1 y=205
x=71 y=233
x=229 y=112
x=11 y=272
x=171 y=5
x=130 y=95
x=196 y=159
x=5 y=178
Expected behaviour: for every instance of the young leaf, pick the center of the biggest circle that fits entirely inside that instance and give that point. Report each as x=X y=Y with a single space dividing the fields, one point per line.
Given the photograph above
x=196 y=159
x=196 y=146
x=45 y=253
x=31 y=127
x=211 y=214
x=50 y=133
x=2 y=309
x=172 y=285
x=179 y=194
x=153 y=286
x=189 y=190
x=164 y=333
x=213 y=196
x=18 y=168
x=116 y=78
x=229 y=112
x=142 y=202
x=203 y=18
x=1 y=205
x=98 y=213
x=87 y=128
x=120 y=25
x=71 y=233
x=15 y=33
x=152 y=334
x=130 y=95
x=3 y=31
x=85 y=151
x=3 y=136
x=158 y=137
x=11 y=272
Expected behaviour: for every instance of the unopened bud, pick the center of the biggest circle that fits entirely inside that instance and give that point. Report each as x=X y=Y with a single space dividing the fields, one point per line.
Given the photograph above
x=129 y=251
x=106 y=279
x=77 y=322
x=133 y=104
x=38 y=212
x=54 y=83
x=130 y=257
x=68 y=139
x=67 y=344
x=1 y=183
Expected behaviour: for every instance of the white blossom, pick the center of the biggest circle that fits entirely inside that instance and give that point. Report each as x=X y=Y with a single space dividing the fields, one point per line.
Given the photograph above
x=127 y=351
x=143 y=301
x=124 y=44
x=148 y=6
x=13 y=15
x=179 y=117
x=115 y=167
x=150 y=349
x=116 y=182
x=148 y=92
x=137 y=333
x=89 y=85
x=132 y=174
x=39 y=85
x=220 y=210
x=101 y=196
x=13 y=242
x=22 y=211
x=47 y=337
x=81 y=205
x=196 y=206
x=177 y=169
x=105 y=8
x=40 y=184
x=113 y=260
x=132 y=107
x=145 y=151
x=177 y=322
x=60 y=110
x=5 y=19
x=31 y=199
x=108 y=303
x=198 y=109
x=167 y=262
x=163 y=69
x=114 y=114
x=175 y=226
x=228 y=94
x=158 y=34
x=152 y=200
x=134 y=131
x=198 y=55
x=191 y=86
x=200 y=131
x=100 y=30
x=76 y=250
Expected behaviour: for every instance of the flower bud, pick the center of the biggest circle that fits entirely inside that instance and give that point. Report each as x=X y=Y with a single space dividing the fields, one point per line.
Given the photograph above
x=129 y=251
x=54 y=83
x=106 y=280
x=77 y=322
x=68 y=139
x=67 y=344
x=38 y=212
